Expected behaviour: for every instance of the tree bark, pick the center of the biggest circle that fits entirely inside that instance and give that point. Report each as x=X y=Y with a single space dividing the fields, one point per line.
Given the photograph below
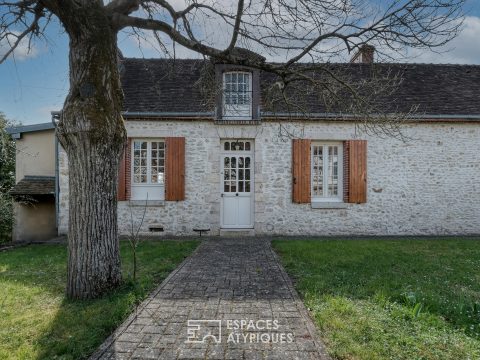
x=92 y=132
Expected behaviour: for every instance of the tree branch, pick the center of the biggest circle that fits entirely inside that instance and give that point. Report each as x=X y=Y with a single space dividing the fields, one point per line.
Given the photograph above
x=236 y=28
x=33 y=28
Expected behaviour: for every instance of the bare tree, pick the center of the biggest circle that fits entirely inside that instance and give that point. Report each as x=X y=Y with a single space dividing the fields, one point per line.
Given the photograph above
x=91 y=128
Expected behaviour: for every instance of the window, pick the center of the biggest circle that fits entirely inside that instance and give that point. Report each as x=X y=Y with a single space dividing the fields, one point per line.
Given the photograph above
x=237 y=99
x=327 y=172
x=148 y=169
x=237 y=145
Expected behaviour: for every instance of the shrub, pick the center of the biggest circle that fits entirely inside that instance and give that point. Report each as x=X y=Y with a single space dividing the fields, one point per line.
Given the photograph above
x=7 y=179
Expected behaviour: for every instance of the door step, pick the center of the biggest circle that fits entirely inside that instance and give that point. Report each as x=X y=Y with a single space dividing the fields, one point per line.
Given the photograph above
x=237 y=232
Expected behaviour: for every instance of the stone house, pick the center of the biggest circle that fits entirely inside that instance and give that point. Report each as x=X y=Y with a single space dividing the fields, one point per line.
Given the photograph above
x=226 y=161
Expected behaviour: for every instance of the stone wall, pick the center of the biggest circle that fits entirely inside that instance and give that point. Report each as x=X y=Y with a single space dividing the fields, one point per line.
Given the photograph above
x=427 y=185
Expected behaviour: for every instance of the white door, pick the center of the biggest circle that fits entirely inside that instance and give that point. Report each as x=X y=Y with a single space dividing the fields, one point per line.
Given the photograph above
x=237 y=184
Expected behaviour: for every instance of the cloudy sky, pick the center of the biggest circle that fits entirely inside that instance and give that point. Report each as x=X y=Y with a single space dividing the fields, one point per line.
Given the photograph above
x=35 y=83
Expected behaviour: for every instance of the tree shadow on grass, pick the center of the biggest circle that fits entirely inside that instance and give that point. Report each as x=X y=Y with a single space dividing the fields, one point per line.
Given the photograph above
x=79 y=327
x=50 y=326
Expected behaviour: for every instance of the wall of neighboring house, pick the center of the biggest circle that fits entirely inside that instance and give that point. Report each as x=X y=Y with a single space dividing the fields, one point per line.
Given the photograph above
x=35 y=218
x=35 y=221
x=427 y=185
x=35 y=154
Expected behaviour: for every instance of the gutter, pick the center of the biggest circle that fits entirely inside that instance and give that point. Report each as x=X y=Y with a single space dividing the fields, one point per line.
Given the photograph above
x=168 y=114
x=341 y=116
x=298 y=116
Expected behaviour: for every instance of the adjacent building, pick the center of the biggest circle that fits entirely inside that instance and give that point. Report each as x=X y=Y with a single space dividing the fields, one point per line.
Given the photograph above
x=34 y=191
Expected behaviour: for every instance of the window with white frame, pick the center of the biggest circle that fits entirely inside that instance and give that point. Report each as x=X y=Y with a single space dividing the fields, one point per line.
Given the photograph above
x=327 y=171
x=148 y=169
x=237 y=95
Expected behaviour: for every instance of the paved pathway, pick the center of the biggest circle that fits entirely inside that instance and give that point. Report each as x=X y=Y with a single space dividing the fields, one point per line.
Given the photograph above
x=225 y=281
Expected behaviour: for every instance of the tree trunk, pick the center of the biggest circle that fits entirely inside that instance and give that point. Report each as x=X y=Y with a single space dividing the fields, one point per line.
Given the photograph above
x=92 y=132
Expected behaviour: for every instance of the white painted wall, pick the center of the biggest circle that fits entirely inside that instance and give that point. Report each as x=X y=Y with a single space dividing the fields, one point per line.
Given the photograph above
x=428 y=185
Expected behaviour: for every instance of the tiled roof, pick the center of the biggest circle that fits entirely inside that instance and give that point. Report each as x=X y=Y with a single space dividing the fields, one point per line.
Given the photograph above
x=167 y=86
x=158 y=85
x=35 y=185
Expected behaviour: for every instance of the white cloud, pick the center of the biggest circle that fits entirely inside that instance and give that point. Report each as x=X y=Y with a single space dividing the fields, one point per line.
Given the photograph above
x=464 y=49
x=22 y=52
x=45 y=111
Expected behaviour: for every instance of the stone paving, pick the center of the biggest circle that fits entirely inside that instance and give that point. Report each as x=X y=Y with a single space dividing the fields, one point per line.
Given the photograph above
x=227 y=285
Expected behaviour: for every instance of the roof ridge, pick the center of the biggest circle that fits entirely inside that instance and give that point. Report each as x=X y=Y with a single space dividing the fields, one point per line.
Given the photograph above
x=306 y=63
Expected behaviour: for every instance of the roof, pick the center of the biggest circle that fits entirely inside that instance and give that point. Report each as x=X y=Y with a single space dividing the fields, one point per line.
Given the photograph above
x=160 y=85
x=18 y=130
x=173 y=88
x=35 y=185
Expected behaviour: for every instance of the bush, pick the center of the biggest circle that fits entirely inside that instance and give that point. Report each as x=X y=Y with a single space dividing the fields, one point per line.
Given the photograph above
x=7 y=179
x=6 y=217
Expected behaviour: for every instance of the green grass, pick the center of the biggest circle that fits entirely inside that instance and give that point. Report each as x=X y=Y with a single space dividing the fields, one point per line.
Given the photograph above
x=390 y=299
x=37 y=322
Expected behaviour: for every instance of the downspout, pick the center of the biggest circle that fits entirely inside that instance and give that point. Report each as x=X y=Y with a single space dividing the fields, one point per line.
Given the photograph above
x=55 y=118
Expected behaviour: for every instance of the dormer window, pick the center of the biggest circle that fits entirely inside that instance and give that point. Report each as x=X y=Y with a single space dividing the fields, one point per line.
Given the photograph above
x=237 y=95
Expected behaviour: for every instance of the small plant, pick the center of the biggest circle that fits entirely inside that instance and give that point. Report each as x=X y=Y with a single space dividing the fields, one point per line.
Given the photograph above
x=417 y=309
x=134 y=239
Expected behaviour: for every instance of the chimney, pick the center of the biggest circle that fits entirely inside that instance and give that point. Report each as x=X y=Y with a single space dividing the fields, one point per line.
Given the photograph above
x=364 y=55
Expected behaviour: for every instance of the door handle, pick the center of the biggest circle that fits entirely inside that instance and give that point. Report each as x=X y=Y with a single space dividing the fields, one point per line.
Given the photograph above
x=236 y=194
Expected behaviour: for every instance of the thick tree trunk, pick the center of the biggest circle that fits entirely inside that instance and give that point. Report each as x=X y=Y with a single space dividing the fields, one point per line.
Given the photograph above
x=92 y=132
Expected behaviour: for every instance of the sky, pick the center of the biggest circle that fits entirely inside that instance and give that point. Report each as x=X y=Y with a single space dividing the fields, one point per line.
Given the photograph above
x=34 y=84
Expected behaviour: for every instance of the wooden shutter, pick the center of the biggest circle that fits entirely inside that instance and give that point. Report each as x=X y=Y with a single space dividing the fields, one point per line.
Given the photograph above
x=174 y=168
x=301 y=171
x=356 y=174
x=122 y=184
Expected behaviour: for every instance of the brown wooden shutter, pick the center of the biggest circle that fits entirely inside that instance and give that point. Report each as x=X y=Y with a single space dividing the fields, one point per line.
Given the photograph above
x=174 y=168
x=122 y=185
x=356 y=171
x=301 y=171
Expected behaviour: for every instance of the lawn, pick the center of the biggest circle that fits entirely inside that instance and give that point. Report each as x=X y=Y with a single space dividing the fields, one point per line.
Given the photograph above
x=37 y=322
x=390 y=299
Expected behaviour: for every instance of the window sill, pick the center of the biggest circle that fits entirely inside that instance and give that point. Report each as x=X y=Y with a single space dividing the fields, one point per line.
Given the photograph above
x=149 y=203
x=328 y=205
